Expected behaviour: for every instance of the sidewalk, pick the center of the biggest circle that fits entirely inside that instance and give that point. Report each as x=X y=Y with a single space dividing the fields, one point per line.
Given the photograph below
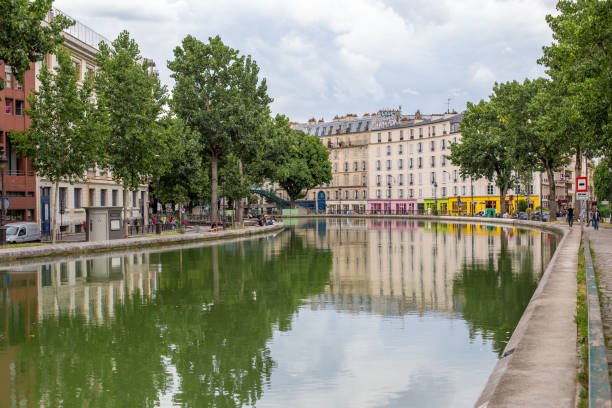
x=601 y=243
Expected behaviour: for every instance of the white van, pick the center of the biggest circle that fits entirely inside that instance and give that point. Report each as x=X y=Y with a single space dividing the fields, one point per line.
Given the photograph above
x=22 y=232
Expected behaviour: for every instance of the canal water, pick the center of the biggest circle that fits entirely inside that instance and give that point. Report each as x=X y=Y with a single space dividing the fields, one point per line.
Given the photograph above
x=327 y=313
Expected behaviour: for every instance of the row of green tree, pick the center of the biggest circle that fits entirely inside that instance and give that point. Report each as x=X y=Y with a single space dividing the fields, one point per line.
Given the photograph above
x=215 y=122
x=539 y=125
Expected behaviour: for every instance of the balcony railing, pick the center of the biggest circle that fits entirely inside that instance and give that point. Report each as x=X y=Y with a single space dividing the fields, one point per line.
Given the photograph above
x=20 y=173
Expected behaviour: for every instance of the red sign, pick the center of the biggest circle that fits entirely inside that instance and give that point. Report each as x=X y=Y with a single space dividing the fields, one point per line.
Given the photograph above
x=581 y=185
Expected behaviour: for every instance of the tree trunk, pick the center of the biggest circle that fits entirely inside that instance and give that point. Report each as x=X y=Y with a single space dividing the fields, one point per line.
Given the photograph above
x=552 y=200
x=125 y=217
x=239 y=203
x=214 y=183
x=502 y=198
x=578 y=171
x=54 y=212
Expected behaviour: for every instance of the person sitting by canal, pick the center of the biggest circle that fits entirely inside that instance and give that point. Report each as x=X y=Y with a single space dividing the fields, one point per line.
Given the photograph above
x=261 y=221
x=214 y=227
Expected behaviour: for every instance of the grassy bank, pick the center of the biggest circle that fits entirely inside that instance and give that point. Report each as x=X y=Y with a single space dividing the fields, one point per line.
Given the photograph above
x=582 y=321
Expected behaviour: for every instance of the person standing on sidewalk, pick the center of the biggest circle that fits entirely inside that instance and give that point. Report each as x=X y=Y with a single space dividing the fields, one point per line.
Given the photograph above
x=596 y=219
x=570 y=216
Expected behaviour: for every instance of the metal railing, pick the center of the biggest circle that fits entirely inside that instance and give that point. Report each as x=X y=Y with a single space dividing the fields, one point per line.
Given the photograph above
x=79 y=30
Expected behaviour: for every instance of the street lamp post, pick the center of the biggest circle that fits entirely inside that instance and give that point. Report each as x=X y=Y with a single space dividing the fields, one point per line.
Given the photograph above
x=435 y=197
x=3 y=162
x=340 y=200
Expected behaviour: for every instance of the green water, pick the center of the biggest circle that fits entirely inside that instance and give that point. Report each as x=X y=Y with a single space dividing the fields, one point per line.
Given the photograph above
x=327 y=313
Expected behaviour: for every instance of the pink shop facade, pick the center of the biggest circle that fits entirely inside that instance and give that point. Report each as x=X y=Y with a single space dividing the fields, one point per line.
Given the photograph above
x=392 y=206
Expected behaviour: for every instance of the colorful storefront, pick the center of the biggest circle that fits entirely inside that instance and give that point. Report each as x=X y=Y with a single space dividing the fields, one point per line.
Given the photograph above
x=443 y=206
x=392 y=206
x=461 y=205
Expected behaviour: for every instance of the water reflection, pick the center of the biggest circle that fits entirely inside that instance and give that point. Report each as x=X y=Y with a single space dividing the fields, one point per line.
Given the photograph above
x=331 y=312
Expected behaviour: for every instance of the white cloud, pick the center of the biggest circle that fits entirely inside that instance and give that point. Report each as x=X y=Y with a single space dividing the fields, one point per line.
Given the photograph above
x=325 y=57
x=410 y=91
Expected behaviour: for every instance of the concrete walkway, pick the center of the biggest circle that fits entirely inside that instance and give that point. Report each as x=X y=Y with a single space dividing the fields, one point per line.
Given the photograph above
x=601 y=243
x=62 y=249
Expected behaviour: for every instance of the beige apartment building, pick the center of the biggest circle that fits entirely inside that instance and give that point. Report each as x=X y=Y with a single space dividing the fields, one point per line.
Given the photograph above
x=98 y=189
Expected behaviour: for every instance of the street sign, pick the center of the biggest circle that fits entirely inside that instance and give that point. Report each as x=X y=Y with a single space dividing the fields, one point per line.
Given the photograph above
x=581 y=184
x=6 y=203
x=582 y=195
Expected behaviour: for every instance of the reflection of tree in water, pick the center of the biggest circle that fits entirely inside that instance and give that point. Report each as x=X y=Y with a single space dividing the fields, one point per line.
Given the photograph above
x=215 y=311
x=494 y=296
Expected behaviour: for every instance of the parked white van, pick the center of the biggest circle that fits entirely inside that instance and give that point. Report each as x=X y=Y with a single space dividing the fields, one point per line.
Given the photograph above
x=22 y=232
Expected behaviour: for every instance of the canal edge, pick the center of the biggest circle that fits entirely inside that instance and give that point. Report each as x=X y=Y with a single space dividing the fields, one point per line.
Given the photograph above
x=80 y=248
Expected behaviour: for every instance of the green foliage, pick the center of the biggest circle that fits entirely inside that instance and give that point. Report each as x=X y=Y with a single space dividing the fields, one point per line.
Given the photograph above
x=23 y=39
x=601 y=180
x=184 y=179
x=236 y=185
x=301 y=160
x=63 y=137
x=522 y=205
x=604 y=210
x=582 y=321
x=218 y=94
x=130 y=100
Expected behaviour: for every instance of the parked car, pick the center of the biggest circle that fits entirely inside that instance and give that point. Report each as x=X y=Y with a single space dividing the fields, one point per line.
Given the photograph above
x=22 y=232
x=545 y=216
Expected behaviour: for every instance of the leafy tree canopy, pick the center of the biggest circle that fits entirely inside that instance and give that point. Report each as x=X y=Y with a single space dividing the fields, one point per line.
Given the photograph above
x=23 y=39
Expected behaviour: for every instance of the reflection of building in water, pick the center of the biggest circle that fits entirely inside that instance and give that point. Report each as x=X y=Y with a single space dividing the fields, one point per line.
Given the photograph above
x=397 y=266
x=90 y=288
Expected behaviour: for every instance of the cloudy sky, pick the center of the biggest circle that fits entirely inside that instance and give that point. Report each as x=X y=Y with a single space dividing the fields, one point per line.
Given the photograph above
x=327 y=57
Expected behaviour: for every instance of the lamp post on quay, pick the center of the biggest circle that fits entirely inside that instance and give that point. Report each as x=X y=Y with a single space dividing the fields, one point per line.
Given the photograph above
x=435 y=184
x=3 y=161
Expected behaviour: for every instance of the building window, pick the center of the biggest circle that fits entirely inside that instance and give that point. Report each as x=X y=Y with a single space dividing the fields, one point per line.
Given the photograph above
x=363 y=180
x=102 y=198
x=389 y=180
x=8 y=106
x=401 y=149
x=433 y=146
x=8 y=82
x=18 y=108
x=410 y=163
x=531 y=189
x=411 y=178
x=420 y=162
x=389 y=137
x=433 y=130
x=401 y=135
x=420 y=133
x=420 y=192
x=433 y=161
x=77 y=198
x=62 y=197
x=401 y=179
x=377 y=193
x=444 y=161
x=389 y=150
x=490 y=189
x=346 y=166
x=346 y=194
x=443 y=144
x=443 y=191
x=114 y=198
x=379 y=137
x=388 y=164
x=432 y=178
x=363 y=165
x=444 y=129
x=378 y=178
x=389 y=193
x=455 y=178
x=401 y=193
x=419 y=147
x=462 y=190
x=91 y=197
x=363 y=194
x=411 y=133
x=355 y=166
x=401 y=164
x=455 y=190
x=377 y=164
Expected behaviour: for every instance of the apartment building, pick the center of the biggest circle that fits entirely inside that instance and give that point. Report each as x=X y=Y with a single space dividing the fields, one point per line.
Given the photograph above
x=98 y=188
x=406 y=170
x=347 y=140
x=19 y=179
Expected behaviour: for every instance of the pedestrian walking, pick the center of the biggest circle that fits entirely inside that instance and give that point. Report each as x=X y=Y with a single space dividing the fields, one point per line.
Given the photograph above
x=570 y=216
x=596 y=219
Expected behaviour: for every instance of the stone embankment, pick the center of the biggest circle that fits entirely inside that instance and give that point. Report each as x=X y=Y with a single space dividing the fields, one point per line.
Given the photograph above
x=72 y=248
